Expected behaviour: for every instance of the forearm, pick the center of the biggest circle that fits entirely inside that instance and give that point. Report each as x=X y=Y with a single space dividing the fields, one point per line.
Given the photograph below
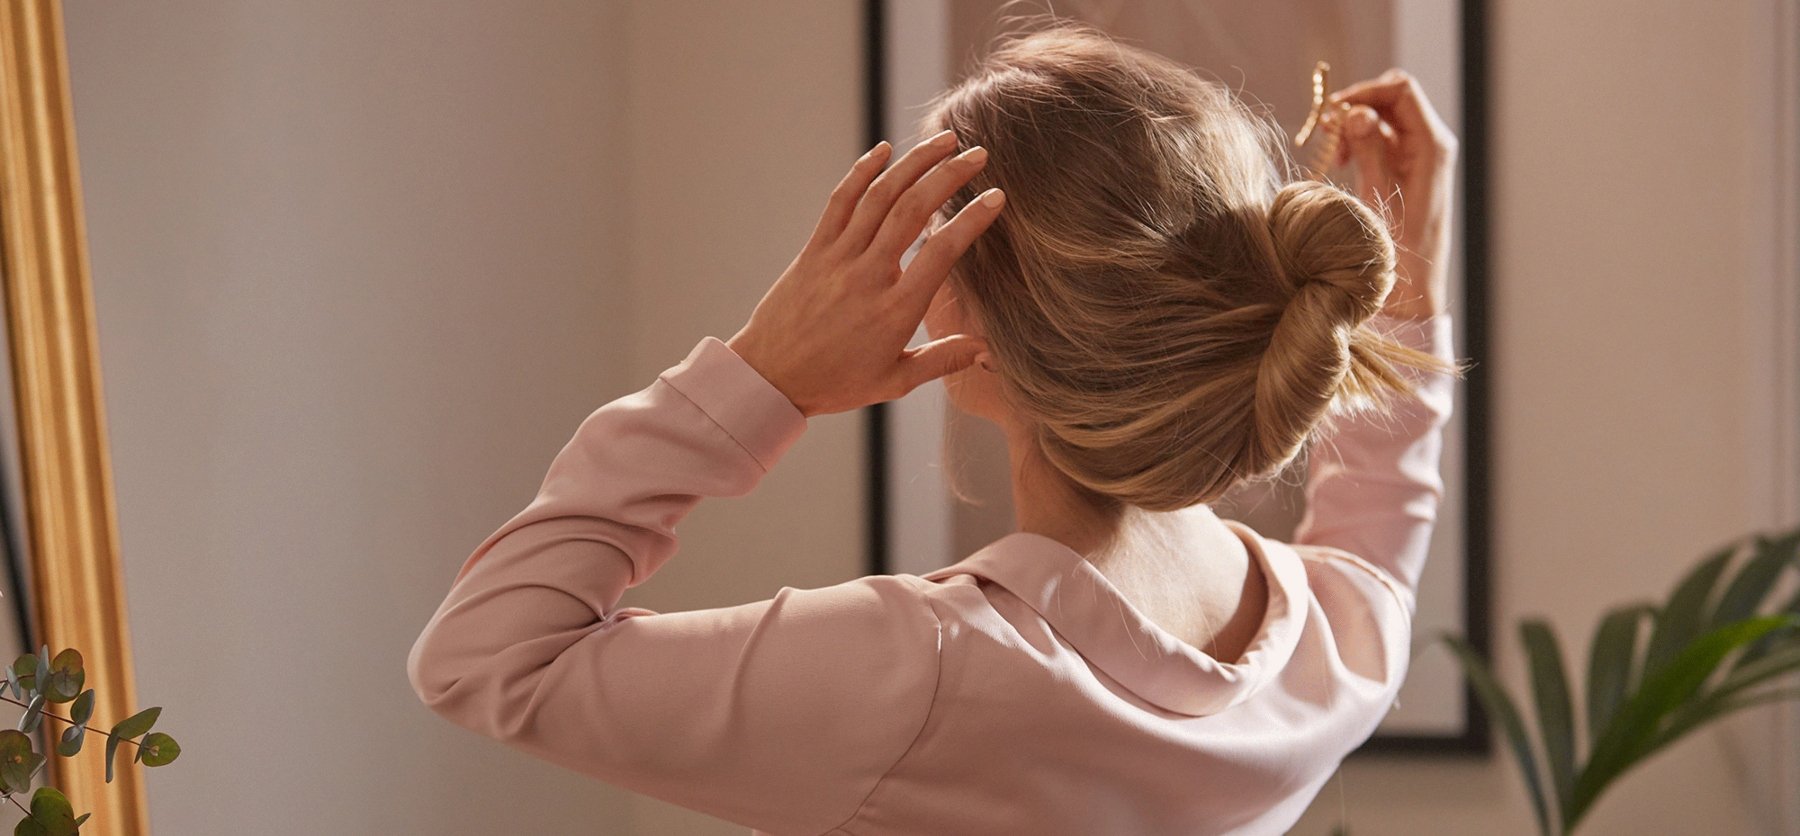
x=1374 y=487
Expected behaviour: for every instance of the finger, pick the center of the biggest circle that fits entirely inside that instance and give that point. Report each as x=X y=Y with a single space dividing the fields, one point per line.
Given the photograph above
x=920 y=202
x=937 y=358
x=875 y=204
x=1399 y=99
x=848 y=191
x=1371 y=150
x=932 y=264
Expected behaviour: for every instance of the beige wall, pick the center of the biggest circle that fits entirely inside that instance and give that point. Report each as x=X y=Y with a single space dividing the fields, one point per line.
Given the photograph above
x=360 y=270
x=347 y=317
x=1622 y=274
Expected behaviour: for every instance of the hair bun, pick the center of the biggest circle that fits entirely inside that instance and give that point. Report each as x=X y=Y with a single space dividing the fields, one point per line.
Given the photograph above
x=1336 y=261
x=1323 y=236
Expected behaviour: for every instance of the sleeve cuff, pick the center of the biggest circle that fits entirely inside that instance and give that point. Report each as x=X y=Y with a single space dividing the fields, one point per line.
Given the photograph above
x=739 y=399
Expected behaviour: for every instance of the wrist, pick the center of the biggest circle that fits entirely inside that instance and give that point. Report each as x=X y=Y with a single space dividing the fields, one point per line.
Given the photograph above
x=750 y=350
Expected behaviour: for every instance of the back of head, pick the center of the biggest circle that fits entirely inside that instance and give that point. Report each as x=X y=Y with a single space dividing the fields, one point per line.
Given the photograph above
x=1168 y=311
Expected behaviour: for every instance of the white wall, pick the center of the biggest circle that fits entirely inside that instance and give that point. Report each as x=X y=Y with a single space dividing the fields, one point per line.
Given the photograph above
x=361 y=268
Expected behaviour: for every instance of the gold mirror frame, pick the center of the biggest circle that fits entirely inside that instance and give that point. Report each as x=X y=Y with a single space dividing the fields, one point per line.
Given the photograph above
x=78 y=596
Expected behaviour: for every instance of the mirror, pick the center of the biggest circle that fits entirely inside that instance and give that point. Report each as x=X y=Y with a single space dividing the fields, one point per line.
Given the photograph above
x=921 y=449
x=61 y=544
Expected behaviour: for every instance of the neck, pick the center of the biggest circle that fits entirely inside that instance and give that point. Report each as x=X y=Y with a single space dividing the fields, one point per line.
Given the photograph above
x=1045 y=501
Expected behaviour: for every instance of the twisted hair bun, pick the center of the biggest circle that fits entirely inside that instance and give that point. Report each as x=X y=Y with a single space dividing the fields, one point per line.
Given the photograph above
x=1167 y=314
x=1335 y=260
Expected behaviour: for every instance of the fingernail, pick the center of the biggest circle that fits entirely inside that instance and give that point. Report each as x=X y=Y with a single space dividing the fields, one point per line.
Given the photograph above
x=993 y=197
x=976 y=154
x=946 y=137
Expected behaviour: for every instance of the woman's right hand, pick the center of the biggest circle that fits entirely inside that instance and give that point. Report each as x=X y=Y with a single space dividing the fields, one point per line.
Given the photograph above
x=1399 y=144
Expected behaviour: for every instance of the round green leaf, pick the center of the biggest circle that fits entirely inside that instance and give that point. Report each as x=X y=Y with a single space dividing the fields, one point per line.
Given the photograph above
x=66 y=676
x=15 y=761
x=83 y=709
x=159 y=749
x=65 y=686
x=26 y=667
x=71 y=741
x=52 y=810
x=29 y=826
x=68 y=660
x=34 y=714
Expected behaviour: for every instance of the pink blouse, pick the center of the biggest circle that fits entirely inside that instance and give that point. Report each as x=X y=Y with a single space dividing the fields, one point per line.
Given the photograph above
x=1016 y=691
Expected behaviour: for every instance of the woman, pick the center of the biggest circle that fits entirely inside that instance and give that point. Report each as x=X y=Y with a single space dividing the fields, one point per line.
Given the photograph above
x=1128 y=288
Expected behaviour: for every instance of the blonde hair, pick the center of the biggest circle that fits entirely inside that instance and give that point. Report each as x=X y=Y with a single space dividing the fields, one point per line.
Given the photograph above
x=1169 y=310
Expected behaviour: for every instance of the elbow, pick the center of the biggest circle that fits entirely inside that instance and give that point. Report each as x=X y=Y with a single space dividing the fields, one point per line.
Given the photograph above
x=424 y=669
x=435 y=671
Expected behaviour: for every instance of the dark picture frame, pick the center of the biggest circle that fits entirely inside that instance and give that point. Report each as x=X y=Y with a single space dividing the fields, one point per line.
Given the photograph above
x=1475 y=739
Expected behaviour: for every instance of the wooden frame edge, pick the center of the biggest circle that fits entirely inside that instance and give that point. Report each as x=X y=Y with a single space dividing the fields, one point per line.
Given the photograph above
x=77 y=586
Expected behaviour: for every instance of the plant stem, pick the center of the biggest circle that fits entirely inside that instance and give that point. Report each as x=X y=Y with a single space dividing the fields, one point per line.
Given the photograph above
x=9 y=797
x=47 y=713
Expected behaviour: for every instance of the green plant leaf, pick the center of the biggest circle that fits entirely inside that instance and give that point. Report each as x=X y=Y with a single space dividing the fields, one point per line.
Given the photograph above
x=1500 y=706
x=34 y=714
x=159 y=749
x=1684 y=616
x=1767 y=643
x=1705 y=712
x=71 y=741
x=1747 y=591
x=81 y=818
x=1627 y=738
x=137 y=723
x=83 y=709
x=1612 y=663
x=16 y=766
x=69 y=661
x=112 y=750
x=26 y=667
x=1555 y=716
x=1784 y=659
x=52 y=810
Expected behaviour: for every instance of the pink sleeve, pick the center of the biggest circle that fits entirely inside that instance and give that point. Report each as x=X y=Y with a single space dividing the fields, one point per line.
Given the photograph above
x=780 y=714
x=1374 y=487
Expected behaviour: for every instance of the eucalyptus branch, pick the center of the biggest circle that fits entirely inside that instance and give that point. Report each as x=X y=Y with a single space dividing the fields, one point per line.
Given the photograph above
x=47 y=713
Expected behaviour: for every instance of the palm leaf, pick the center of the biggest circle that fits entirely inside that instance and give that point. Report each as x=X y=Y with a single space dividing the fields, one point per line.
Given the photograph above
x=1685 y=615
x=1501 y=708
x=1707 y=711
x=1555 y=717
x=1752 y=585
x=1633 y=729
x=1612 y=665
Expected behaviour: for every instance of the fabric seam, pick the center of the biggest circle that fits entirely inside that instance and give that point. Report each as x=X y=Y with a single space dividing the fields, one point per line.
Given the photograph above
x=715 y=422
x=930 y=710
x=1382 y=576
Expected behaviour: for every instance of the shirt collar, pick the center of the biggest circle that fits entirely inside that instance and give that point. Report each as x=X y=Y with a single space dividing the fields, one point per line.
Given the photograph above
x=1087 y=610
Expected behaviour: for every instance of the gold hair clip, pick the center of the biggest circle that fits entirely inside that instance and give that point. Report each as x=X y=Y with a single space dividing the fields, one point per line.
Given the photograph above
x=1324 y=152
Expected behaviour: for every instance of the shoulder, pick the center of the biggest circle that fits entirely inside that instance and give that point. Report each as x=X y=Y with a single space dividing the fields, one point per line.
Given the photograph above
x=1334 y=567
x=1367 y=614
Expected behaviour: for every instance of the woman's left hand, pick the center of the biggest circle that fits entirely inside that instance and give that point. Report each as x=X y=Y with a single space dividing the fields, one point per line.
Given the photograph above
x=831 y=333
